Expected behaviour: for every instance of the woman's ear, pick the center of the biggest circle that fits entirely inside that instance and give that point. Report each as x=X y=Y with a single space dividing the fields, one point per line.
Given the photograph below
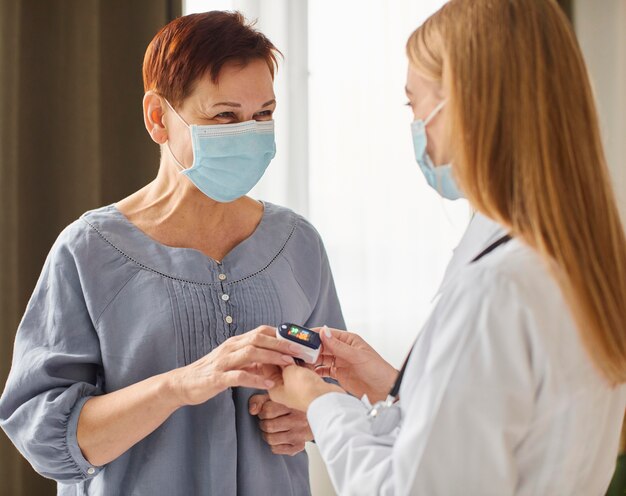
x=153 y=113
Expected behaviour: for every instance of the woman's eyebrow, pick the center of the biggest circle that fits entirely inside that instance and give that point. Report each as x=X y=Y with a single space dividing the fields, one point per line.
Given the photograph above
x=226 y=104
x=238 y=105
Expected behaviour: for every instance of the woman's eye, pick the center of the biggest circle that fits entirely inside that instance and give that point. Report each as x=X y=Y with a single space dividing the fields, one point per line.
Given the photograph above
x=225 y=115
x=264 y=114
x=408 y=104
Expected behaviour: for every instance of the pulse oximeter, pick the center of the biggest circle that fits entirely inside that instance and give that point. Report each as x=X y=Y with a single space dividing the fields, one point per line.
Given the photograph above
x=308 y=341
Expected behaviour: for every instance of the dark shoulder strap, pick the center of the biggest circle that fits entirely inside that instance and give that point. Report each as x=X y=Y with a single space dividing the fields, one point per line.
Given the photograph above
x=498 y=242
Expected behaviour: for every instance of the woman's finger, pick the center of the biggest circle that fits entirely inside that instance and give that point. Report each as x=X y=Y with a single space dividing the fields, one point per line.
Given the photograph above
x=335 y=333
x=272 y=372
x=256 y=402
x=297 y=376
x=249 y=355
x=265 y=330
x=242 y=378
x=320 y=359
x=272 y=410
x=287 y=449
x=310 y=366
x=326 y=372
x=334 y=346
x=261 y=340
x=270 y=342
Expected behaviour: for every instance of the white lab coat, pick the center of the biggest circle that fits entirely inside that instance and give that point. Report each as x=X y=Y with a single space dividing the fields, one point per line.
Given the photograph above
x=499 y=396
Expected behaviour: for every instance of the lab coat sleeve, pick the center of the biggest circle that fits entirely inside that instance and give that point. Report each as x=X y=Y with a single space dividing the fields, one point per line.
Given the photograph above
x=55 y=370
x=467 y=401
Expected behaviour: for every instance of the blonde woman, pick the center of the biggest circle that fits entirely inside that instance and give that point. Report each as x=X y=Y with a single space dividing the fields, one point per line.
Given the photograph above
x=515 y=383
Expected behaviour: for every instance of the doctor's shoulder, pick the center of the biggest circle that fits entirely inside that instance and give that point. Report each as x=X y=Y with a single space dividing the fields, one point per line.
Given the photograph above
x=515 y=304
x=509 y=291
x=513 y=270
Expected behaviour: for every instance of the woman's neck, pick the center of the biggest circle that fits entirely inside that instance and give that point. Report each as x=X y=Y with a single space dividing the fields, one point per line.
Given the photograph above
x=174 y=212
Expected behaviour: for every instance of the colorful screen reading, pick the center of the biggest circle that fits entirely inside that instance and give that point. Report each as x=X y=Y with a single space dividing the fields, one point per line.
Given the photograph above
x=300 y=334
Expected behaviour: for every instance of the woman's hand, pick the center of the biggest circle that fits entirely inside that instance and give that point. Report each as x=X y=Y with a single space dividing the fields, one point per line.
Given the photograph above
x=284 y=429
x=347 y=358
x=251 y=360
x=112 y=423
x=299 y=387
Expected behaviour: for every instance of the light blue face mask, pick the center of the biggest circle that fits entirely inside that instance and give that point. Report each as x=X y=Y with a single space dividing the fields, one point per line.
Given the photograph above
x=228 y=159
x=438 y=177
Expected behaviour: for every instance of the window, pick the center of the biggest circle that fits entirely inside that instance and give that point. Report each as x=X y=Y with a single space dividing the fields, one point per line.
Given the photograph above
x=389 y=236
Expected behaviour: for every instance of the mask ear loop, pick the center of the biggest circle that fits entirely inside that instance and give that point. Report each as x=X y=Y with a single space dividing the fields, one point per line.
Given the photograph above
x=433 y=113
x=180 y=165
x=430 y=117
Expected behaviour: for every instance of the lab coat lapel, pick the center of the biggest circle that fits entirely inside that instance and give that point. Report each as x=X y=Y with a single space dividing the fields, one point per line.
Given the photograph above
x=480 y=233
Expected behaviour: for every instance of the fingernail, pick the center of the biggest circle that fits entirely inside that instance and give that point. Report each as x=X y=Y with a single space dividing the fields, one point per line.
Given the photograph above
x=287 y=359
x=327 y=332
x=269 y=384
x=253 y=408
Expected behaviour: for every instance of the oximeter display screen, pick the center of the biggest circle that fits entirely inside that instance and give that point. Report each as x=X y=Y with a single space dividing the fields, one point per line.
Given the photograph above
x=301 y=334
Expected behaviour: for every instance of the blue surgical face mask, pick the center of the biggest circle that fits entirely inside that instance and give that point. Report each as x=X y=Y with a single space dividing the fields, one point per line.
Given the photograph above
x=438 y=177
x=228 y=159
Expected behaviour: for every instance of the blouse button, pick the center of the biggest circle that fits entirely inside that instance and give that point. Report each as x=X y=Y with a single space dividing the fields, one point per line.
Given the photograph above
x=229 y=319
x=225 y=297
x=91 y=470
x=222 y=277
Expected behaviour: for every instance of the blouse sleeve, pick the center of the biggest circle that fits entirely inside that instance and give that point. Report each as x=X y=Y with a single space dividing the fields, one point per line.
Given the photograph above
x=55 y=370
x=327 y=310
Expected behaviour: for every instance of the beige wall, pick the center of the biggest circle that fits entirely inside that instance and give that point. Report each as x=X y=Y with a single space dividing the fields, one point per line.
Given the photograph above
x=601 y=29
x=320 y=481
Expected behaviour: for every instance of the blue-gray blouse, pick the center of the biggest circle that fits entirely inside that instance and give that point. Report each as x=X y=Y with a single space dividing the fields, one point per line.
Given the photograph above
x=113 y=307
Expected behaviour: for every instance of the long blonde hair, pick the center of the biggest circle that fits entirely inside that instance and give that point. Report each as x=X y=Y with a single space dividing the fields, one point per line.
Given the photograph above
x=527 y=150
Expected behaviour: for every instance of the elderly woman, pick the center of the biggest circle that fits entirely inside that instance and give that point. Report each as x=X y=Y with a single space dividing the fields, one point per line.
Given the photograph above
x=133 y=370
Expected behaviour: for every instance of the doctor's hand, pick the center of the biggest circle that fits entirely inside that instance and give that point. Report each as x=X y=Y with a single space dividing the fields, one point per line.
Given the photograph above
x=300 y=386
x=285 y=430
x=347 y=358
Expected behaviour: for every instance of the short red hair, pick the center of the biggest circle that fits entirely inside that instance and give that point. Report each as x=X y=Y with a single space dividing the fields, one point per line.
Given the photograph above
x=191 y=46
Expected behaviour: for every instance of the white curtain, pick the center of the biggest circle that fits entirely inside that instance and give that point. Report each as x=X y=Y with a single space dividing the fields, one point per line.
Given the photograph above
x=388 y=234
